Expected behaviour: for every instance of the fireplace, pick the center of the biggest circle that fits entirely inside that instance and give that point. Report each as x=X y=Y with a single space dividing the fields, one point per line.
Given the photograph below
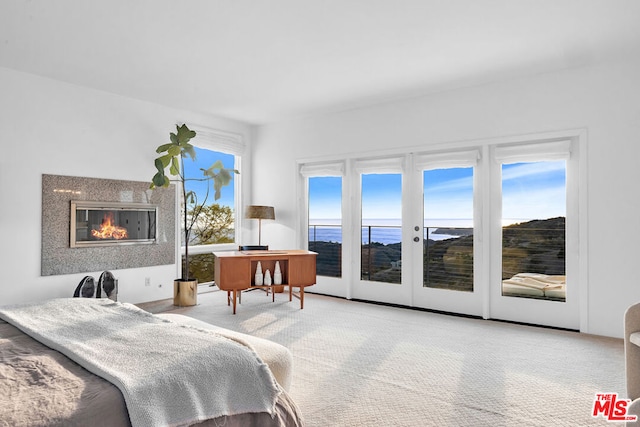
x=112 y=223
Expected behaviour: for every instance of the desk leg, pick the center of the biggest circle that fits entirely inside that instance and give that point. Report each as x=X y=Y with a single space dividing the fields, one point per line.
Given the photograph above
x=301 y=297
x=290 y=293
x=228 y=298
x=235 y=294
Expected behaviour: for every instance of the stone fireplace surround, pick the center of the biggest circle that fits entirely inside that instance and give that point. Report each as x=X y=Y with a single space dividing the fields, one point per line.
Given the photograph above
x=57 y=255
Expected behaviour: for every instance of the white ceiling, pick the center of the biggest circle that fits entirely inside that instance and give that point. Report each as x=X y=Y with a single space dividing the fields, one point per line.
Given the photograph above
x=261 y=61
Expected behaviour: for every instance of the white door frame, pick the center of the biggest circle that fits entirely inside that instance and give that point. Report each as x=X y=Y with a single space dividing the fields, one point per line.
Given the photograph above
x=469 y=303
x=392 y=293
x=487 y=224
x=528 y=310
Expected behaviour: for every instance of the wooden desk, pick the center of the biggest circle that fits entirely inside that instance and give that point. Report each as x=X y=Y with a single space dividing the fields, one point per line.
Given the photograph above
x=235 y=271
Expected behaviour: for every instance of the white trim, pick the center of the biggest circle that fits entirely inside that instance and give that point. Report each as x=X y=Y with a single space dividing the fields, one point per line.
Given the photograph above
x=322 y=169
x=450 y=146
x=337 y=286
x=570 y=144
x=460 y=159
x=580 y=155
x=566 y=314
x=218 y=140
x=534 y=151
x=384 y=165
x=224 y=142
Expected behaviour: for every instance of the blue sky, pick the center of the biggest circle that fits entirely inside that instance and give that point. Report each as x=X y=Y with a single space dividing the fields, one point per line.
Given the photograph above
x=530 y=191
x=204 y=159
x=325 y=197
x=534 y=190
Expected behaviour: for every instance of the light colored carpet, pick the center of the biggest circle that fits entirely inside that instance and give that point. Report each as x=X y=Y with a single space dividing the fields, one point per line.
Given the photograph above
x=359 y=364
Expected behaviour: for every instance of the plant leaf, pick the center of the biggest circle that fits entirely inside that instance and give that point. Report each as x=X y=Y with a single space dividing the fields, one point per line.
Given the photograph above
x=174 y=150
x=164 y=147
x=166 y=159
x=225 y=176
x=189 y=150
x=159 y=180
x=190 y=197
x=159 y=165
x=175 y=166
x=184 y=134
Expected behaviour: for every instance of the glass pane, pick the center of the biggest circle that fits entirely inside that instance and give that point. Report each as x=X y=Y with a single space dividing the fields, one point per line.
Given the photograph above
x=533 y=230
x=381 y=250
x=216 y=223
x=201 y=266
x=448 y=229
x=325 y=224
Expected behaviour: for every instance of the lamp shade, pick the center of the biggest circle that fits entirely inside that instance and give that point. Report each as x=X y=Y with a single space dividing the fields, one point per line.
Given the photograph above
x=260 y=212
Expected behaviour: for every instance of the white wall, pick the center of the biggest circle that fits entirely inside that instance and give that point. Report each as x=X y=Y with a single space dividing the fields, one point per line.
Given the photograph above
x=55 y=128
x=603 y=99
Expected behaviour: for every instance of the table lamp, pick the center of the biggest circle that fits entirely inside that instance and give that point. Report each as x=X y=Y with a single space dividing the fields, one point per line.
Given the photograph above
x=260 y=213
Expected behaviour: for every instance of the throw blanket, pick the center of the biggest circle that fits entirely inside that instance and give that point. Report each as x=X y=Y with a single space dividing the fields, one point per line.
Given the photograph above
x=168 y=374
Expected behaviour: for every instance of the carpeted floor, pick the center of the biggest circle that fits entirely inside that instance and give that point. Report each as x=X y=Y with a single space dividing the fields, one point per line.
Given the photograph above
x=359 y=364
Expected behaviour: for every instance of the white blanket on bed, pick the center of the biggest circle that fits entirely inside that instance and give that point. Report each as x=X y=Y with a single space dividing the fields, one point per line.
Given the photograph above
x=169 y=374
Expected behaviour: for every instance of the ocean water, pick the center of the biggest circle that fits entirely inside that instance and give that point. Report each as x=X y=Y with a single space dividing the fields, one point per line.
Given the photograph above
x=386 y=231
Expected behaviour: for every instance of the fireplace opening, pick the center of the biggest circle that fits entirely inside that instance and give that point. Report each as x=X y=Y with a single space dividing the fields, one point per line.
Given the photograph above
x=112 y=223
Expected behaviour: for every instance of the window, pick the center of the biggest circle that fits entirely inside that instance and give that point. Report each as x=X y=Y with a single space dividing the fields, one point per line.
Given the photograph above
x=381 y=249
x=218 y=224
x=533 y=229
x=448 y=228
x=325 y=224
x=480 y=229
x=324 y=215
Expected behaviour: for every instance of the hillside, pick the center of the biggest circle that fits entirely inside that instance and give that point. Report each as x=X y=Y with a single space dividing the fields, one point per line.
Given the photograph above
x=534 y=246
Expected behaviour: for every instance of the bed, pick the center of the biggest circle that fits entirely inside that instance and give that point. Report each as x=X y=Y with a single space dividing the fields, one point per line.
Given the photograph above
x=41 y=386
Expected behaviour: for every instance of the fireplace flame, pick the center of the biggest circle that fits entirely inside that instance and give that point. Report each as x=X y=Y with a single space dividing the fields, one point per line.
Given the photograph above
x=108 y=230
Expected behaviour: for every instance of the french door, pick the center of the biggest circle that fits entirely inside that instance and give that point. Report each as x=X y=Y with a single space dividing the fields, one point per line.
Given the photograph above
x=416 y=228
x=535 y=273
x=490 y=231
x=447 y=252
x=382 y=265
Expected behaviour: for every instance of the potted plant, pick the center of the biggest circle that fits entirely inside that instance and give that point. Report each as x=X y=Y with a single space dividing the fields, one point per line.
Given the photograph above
x=172 y=160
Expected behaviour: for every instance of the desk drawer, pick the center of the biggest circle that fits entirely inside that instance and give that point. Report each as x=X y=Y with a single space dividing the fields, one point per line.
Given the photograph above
x=232 y=273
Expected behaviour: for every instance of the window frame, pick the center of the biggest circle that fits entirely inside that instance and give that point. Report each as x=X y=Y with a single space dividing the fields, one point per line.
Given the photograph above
x=223 y=142
x=571 y=149
x=487 y=221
